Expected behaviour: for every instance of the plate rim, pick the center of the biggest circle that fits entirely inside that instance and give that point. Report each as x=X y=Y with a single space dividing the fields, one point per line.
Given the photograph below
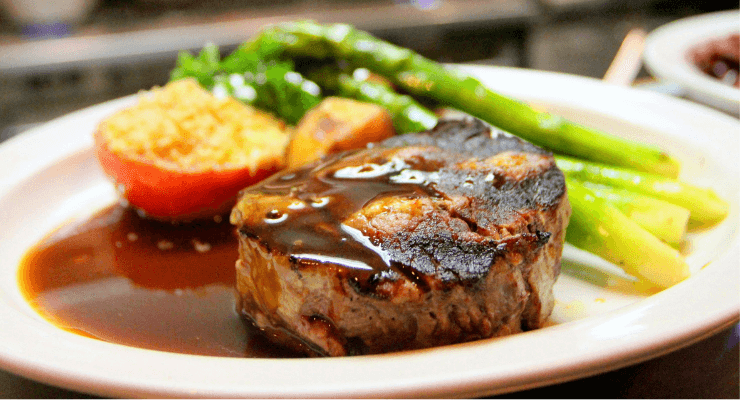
x=472 y=383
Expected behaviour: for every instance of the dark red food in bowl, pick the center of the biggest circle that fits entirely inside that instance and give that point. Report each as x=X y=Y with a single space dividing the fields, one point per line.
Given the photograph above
x=719 y=58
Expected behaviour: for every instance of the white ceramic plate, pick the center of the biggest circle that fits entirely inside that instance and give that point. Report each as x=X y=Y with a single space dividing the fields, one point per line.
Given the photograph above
x=49 y=175
x=666 y=57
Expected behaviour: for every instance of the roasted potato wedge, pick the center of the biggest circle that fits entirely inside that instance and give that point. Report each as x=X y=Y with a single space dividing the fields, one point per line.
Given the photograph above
x=337 y=124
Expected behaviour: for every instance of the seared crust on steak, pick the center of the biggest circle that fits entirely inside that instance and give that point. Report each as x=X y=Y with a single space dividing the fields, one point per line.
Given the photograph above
x=426 y=239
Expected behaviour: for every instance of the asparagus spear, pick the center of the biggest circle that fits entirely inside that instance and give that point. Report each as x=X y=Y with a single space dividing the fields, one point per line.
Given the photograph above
x=667 y=221
x=602 y=229
x=408 y=115
x=271 y=85
x=423 y=77
x=704 y=204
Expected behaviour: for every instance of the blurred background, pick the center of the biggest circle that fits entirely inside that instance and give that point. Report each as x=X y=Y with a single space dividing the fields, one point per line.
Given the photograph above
x=57 y=56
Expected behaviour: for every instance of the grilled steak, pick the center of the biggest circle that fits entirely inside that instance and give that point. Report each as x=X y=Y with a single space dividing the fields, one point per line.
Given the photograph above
x=426 y=239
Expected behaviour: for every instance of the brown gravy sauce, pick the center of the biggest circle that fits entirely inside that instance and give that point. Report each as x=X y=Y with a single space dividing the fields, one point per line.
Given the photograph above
x=123 y=279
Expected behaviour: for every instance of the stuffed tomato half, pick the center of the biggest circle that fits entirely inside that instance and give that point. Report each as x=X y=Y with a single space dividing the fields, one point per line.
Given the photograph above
x=182 y=154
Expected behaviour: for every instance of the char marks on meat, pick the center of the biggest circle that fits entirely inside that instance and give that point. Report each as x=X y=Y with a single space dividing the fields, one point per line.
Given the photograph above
x=425 y=239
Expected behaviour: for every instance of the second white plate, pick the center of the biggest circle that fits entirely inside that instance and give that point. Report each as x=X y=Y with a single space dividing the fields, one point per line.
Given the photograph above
x=666 y=57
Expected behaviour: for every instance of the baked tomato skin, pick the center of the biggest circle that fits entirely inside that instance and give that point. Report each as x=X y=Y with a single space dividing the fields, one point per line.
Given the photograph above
x=176 y=195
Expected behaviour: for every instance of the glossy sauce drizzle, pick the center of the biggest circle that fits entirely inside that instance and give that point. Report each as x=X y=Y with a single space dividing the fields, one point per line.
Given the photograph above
x=311 y=228
x=120 y=278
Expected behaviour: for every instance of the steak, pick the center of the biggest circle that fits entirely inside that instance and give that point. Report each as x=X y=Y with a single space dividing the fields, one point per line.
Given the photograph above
x=428 y=239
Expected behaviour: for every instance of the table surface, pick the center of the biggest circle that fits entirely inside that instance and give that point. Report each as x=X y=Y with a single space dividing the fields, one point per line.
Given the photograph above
x=706 y=369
